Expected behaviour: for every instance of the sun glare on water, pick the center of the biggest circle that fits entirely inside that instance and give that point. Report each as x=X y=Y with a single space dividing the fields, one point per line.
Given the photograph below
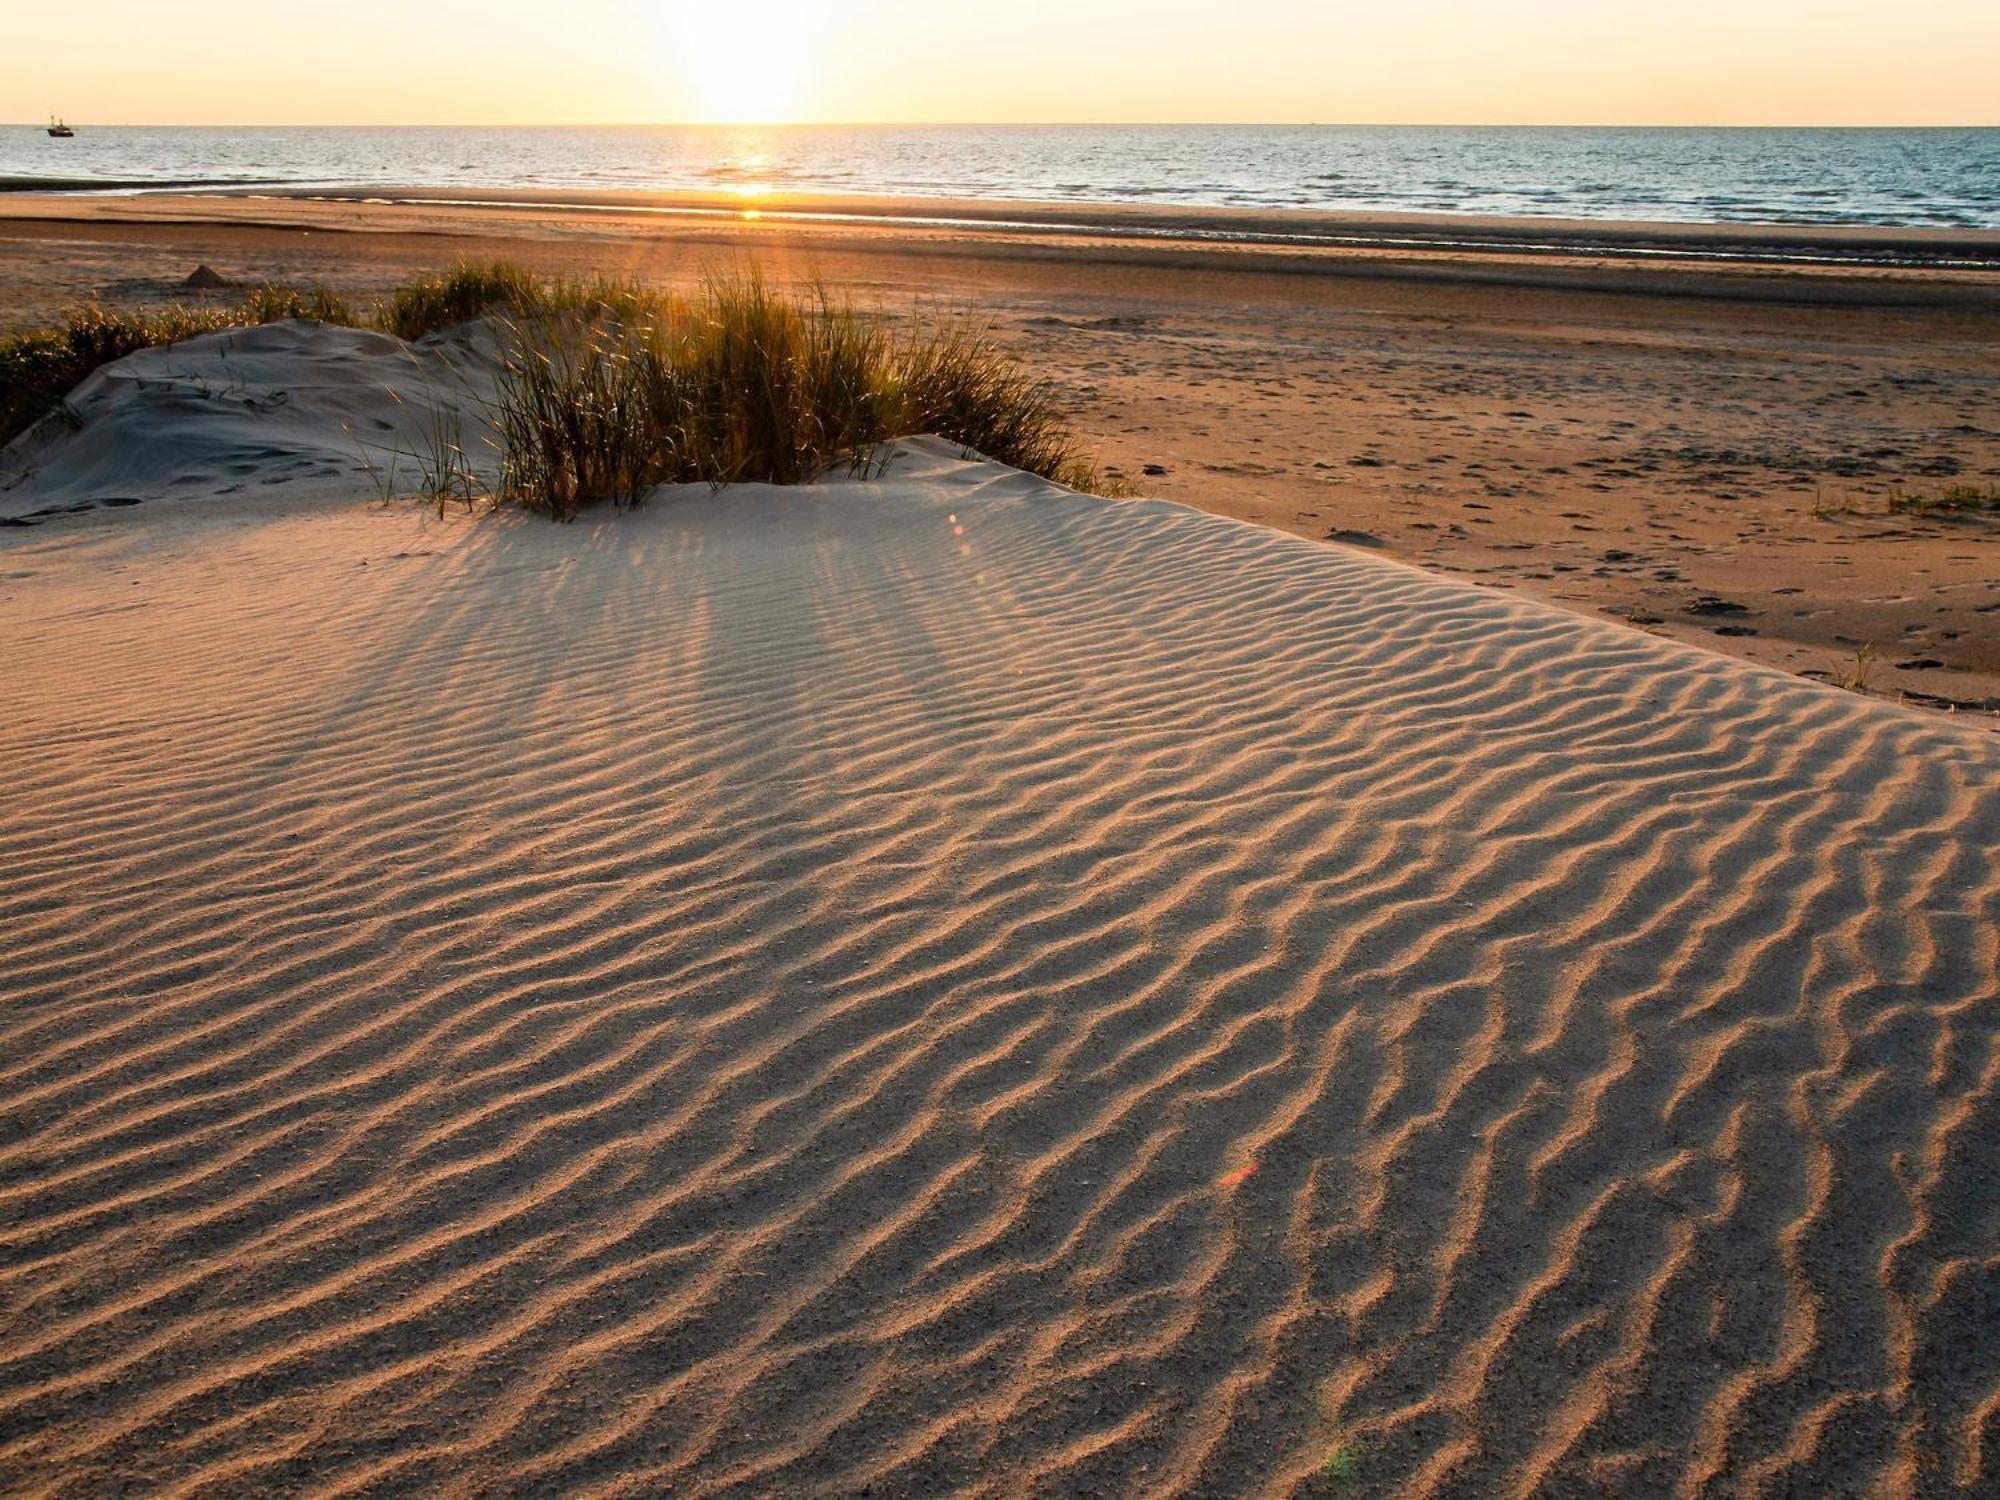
x=745 y=60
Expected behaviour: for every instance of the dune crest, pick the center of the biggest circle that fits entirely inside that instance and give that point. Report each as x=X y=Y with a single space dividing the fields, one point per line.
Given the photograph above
x=315 y=408
x=941 y=983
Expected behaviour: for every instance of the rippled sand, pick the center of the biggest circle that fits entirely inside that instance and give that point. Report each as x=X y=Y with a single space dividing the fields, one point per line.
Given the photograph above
x=944 y=984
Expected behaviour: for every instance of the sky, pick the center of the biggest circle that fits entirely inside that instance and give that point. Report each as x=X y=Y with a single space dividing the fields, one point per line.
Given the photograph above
x=462 y=62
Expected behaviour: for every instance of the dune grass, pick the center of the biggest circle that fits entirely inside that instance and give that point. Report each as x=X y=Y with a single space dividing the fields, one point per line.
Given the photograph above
x=274 y=302
x=1955 y=499
x=468 y=290
x=611 y=387
x=612 y=390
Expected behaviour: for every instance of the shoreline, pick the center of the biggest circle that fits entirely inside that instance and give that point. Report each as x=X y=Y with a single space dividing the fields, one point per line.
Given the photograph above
x=1862 y=245
x=1798 y=246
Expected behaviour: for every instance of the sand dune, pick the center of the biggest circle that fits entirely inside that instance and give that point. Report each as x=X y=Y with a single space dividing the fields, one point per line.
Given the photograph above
x=328 y=411
x=941 y=984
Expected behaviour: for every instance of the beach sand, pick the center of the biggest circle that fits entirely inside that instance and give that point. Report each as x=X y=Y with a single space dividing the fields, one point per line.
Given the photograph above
x=1705 y=449
x=939 y=984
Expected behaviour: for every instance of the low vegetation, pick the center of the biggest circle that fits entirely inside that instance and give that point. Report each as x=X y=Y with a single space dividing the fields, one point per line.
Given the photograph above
x=613 y=390
x=1856 y=680
x=274 y=303
x=444 y=299
x=610 y=388
x=1955 y=499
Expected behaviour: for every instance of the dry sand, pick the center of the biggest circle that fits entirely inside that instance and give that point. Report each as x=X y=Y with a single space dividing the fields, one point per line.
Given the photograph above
x=1703 y=450
x=331 y=412
x=939 y=984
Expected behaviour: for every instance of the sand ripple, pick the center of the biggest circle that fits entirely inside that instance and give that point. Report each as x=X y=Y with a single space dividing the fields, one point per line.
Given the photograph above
x=942 y=985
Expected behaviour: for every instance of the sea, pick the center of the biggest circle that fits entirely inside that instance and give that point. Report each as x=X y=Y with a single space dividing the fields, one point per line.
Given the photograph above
x=1928 y=178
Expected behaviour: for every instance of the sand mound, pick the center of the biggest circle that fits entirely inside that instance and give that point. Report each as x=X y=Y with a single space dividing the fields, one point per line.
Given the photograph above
x=944 y=984
x=328 y=411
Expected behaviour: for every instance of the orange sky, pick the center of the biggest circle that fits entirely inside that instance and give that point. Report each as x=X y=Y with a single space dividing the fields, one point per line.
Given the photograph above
x=1436 y=61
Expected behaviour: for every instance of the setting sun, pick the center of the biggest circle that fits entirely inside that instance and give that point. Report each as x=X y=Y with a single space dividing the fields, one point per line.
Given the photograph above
x=744 y=62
